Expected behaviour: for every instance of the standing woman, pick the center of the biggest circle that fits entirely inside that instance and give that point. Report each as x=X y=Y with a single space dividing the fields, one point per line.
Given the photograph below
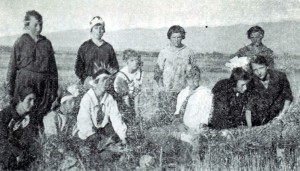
x=256 y=34
x=171 y=68
x=32 y=63
x=95 y=53
x=17 y=145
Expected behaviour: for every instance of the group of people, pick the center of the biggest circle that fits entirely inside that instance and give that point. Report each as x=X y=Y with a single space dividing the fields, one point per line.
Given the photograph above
x=254 y=94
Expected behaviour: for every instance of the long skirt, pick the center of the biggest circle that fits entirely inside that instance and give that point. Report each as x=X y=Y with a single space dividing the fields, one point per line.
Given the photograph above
x=45 y=87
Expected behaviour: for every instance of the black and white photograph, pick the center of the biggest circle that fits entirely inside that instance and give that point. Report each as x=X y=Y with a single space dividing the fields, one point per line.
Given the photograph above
x=159 y=85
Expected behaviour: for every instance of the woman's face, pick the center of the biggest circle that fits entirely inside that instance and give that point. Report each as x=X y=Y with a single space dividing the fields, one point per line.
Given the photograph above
x=98 y=31
x=256 y=38
x=28 y=102
x=259 y=70
x=176 y=39
x=241 y=86
x=35 y=26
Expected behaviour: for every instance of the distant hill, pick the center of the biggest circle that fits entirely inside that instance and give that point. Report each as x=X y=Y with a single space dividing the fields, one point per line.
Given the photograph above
x=280 y=36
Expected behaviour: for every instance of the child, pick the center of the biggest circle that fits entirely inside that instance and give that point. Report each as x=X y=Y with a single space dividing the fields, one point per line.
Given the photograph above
x=128 y=85
x=194 y=105
x=59 y=121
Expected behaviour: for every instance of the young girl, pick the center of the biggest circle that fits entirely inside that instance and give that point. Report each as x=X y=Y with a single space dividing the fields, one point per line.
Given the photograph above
x=17 y=145
x=59 y=122
x=194 y=105
x=128 y=83
x=169 y=72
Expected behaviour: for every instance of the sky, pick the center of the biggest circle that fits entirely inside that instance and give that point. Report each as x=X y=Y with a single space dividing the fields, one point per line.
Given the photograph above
x=60 y=15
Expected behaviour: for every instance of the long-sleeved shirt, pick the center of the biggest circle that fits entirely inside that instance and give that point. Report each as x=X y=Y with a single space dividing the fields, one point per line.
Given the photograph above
x=87 y=119
x=37 y=57
x=173 y=64
x=266 y=103
x=90 y=57
x=198 y=107
x=229 y=106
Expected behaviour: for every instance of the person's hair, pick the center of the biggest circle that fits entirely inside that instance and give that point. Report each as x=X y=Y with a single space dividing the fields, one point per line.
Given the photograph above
x=102 y=23
x=32 y=13
x=21 y=94
x=100 y=72
x=259 y=59
x=60 y=94
x=176 y=29
x=239 y=74
x=194 y=71
x=255 y=29
x=130 y=53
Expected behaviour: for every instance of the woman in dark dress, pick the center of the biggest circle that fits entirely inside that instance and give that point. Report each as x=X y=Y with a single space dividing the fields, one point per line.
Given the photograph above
x=32 y=64
x=17 y=145
x=230 y=98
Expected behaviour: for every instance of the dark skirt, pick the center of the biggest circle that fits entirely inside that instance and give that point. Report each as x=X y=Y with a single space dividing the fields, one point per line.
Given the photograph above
x=45 y=86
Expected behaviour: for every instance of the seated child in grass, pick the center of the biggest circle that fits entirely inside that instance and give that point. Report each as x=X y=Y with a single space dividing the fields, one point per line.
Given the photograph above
x=99 y=123
x=59 y=122
x=193 y=108
x=194 y=105
x=127 y=84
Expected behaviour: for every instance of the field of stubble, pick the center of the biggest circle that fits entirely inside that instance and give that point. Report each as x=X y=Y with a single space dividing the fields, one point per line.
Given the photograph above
x=270 y=147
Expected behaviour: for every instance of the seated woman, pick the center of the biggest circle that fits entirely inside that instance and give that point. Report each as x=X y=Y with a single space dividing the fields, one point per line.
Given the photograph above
x=229 y=100
x=17 y=145
x=271 y=94
x=194 y=105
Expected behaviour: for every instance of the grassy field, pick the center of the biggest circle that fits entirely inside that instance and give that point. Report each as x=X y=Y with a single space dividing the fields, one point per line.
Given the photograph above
x=240 y=149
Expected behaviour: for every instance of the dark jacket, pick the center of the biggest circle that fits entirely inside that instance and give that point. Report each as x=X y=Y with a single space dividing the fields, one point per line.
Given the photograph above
x=228 y=106
x=13 y=143
x=35 y=57
x=266 y=103
x=89 y=55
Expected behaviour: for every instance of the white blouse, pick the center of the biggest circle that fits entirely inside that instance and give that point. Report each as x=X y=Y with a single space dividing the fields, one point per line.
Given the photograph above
x=87 y=115
x=198 y=107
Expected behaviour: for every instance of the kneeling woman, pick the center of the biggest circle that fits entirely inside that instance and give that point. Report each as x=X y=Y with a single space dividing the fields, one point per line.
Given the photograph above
x=16 y=143
x=229 y=100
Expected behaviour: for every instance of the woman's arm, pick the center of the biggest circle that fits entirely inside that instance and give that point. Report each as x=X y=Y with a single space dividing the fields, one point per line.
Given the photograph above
x=12 y=69
x=80 y=65
x=158 y=69
x=285 y=108
x=115 y=117
x=113 y=62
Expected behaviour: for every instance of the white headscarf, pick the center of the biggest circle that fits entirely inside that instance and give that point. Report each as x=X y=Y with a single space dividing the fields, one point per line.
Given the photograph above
x=236 y=62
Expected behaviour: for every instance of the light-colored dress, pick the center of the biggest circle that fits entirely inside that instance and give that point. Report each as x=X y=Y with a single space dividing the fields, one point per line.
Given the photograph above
x=174 y=64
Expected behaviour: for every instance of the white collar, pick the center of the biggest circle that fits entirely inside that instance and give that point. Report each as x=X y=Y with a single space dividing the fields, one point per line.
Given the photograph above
x=95 y=101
